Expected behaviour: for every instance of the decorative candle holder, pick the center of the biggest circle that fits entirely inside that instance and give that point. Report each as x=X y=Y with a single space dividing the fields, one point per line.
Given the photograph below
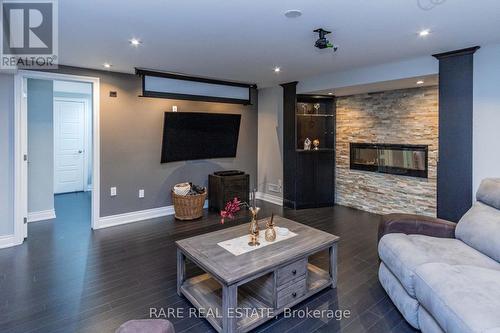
x=270 y=232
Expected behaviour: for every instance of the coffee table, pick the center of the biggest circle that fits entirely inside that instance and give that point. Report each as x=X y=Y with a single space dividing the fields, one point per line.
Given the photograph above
x=240 y=292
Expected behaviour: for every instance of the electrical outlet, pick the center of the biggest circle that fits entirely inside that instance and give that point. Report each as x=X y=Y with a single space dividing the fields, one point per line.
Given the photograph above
x=280 y=184
x=141 y=193
x=112 y=191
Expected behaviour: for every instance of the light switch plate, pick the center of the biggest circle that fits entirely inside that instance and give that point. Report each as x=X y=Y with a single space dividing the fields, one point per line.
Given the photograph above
x=141 y=193
x=112 y=191
x=174 y=108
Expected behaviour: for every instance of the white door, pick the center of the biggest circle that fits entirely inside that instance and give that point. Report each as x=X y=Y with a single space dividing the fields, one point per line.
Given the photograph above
x=69 y=143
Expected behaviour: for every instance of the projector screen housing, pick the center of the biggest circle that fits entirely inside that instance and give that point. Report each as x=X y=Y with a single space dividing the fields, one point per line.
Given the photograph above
x=178 y=86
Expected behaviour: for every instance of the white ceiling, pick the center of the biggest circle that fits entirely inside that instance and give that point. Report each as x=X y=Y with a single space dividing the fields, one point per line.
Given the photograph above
x=244 y=40
x=428 y=81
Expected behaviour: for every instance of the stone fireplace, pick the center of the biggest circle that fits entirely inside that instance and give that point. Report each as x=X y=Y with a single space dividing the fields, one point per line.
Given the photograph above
x=386 y=151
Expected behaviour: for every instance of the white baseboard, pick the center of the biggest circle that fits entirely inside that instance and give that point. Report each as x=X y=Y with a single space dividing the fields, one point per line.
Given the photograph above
x=141 y=215
x=42 y=215
x=7 y=241
x=269 y=198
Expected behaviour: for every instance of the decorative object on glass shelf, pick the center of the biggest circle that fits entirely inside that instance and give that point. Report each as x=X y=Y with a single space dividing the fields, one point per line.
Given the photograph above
x=270 y=232
x=303 y=107
x=307 y=144
x=308 y=108
x=316 y=144
x=317 y=106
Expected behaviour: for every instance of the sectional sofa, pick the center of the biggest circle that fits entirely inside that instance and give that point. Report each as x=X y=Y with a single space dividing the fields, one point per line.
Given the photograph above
x=442 y=276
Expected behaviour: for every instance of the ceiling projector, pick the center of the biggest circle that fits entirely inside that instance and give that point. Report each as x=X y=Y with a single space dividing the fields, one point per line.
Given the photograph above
x=323 y=43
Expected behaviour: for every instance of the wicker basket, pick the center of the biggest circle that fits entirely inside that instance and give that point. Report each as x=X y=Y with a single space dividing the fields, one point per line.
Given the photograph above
x=189 y=207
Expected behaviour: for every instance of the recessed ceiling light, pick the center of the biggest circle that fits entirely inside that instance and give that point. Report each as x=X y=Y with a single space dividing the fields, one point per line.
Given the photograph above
x=107 y=65
x=424 y=33
x=293 y=13
x=135 y=42
x=419 y=82
x=277 y=69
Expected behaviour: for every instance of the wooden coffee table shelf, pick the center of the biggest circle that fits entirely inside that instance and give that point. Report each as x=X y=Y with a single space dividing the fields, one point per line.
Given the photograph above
x=259 y=284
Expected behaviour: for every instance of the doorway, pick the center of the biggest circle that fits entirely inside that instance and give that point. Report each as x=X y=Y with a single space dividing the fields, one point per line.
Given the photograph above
x=56 y=147
x=72 y=137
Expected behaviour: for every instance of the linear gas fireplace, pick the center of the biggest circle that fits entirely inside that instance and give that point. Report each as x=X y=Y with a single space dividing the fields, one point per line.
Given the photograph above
x=406 y=160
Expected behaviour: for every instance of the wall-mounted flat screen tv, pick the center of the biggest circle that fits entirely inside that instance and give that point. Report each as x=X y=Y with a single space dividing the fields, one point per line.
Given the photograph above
x=196 y=136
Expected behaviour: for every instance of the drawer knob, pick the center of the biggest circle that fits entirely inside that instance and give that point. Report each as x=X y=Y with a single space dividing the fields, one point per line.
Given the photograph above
x=294 y=272
x=294 y=294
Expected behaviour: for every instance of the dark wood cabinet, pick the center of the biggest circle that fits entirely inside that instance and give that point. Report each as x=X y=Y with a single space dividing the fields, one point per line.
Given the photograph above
x=325 y=178
x=314 y=181
x=308 y=175
x=305 y=180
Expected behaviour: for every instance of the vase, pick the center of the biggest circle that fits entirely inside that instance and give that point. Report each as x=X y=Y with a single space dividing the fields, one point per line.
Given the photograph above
x=254 y=227
x=270 y=233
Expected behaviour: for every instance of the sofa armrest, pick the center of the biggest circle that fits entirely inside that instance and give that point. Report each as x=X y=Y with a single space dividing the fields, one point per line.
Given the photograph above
x=415 y=224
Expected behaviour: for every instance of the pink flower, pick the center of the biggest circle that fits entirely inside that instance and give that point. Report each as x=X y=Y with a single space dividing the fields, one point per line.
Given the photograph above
x=231 y=208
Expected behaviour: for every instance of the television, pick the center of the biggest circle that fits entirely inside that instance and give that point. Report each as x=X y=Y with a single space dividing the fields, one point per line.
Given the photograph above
x=196 y=136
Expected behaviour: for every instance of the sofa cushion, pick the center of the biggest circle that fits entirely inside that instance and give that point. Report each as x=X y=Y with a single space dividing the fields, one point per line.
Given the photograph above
x=489 y=192
x=460 y=298
x=407 y=305
x=427 y=323
x=402 y=254
x=480 y=228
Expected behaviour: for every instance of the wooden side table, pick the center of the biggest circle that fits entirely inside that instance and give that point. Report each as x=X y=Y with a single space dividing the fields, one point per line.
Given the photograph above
x=221 y=189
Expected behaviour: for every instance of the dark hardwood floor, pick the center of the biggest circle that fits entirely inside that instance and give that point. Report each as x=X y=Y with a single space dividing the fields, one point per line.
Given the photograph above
x=67 y=278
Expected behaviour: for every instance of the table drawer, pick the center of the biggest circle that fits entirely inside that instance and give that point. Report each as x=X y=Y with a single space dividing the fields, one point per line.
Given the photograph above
x=291 y=271
x=289 y=294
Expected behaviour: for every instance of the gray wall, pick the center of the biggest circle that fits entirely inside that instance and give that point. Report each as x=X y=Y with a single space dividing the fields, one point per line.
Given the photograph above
x=131 y=137
x=270 y=149
x=40 y=145
x=486 y=130
x=6 y=154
